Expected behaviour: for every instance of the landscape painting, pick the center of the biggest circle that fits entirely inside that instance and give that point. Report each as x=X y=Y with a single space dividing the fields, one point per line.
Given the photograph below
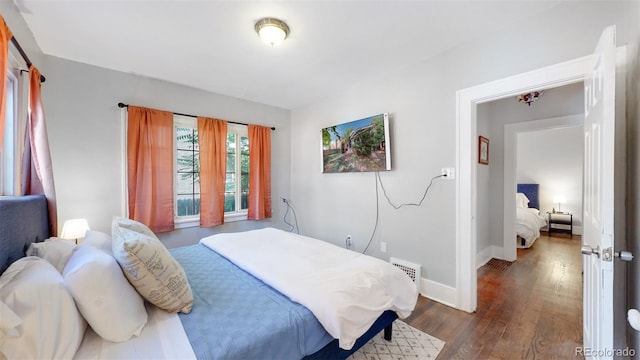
x=360 y=145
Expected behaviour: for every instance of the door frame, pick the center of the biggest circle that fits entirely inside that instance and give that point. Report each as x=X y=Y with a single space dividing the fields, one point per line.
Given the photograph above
x=561 y=74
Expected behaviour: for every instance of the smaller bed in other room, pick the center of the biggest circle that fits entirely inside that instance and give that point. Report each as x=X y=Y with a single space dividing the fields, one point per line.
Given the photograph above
x=529 y=221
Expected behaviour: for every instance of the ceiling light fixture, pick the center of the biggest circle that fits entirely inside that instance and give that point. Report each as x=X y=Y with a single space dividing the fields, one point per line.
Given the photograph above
x=529 y=97
x=272 y=31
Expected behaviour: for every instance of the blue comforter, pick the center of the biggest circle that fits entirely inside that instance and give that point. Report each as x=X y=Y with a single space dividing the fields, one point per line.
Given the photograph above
x=236 y=316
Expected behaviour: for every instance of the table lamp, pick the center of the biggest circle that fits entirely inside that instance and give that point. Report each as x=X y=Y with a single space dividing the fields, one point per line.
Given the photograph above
x=560 y=199
x=74 y=229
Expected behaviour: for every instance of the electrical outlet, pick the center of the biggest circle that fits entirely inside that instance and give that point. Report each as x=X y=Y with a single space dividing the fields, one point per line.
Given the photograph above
x=348 y=242
x=383 y=247
x=449 y=173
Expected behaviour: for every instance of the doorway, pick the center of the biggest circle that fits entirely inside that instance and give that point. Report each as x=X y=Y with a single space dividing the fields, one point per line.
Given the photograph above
x=552 y=159
x=467 y=101
x=547 y=152
x=558 y=172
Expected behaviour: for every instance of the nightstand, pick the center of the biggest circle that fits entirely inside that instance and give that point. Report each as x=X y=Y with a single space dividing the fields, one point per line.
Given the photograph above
x=560 y=223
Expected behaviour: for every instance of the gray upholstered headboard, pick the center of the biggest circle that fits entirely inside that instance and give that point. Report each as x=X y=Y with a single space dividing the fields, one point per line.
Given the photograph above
x=23 y=220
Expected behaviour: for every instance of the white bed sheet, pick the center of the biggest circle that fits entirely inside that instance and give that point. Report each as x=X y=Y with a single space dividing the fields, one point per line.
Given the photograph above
x=345 y=290
x=163 y=337
x=528 y=224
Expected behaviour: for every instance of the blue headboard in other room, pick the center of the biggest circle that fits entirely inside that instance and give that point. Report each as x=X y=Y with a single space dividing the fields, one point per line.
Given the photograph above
x=531 y=191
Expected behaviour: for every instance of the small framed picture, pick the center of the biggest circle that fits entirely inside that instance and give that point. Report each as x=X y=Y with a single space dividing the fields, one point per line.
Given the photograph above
x=483 y=150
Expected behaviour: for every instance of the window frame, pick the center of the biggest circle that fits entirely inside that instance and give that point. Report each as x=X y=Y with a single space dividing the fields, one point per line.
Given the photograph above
x=16 y=106
x=181 y=222
x=188 y=220
x=239 y=131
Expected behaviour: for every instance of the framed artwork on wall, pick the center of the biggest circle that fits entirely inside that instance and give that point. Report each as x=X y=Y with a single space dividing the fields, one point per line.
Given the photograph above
x=355 y=146
x=483 y=150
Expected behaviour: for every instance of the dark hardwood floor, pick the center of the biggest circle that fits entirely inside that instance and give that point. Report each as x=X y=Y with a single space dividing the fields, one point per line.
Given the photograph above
x=531 y=309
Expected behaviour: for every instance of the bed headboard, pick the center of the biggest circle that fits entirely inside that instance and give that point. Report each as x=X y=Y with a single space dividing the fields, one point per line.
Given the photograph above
x=531 y=191
x=23 y=220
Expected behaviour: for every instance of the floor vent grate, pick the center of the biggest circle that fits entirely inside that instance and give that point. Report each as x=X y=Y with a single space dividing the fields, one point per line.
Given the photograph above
x=497 y=264
x=411 y=269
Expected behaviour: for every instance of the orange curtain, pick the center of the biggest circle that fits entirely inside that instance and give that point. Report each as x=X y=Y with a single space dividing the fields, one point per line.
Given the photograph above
x=150 y=167
x=5 y=37
x=259 y=172
x=37 y=169
x=212 y=140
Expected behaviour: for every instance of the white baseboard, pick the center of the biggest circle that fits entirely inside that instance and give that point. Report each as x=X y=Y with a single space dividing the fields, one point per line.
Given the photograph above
x=448 y=295
x=441 y=293
x=487 y=254
x=483 y=257
x=577 y=230
x=497 y=252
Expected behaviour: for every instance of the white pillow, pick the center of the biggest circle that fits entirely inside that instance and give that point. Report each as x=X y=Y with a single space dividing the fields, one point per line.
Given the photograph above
x=52 y=327
x=522 y=201
x=149 y=266
x=98 y=239
x=111 y=306
x=55 y=250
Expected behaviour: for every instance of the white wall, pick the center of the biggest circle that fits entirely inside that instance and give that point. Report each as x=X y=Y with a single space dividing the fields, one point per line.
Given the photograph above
x=421 y=100
x=553 y=159
x=483 y=200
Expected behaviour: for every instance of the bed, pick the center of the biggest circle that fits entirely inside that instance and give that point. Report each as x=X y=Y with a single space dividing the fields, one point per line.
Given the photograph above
x=528 y=218
x=234 y=313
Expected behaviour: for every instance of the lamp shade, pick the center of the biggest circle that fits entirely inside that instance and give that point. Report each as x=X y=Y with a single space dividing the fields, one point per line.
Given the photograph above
x=560 y=199
x=74 y=229
x=272 y=31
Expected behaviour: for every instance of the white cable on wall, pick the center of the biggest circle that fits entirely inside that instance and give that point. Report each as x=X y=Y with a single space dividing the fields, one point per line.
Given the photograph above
x=284 y=218
x=396 y=207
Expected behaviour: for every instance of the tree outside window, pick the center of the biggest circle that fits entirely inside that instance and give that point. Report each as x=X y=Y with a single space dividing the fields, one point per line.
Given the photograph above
x=188 y=171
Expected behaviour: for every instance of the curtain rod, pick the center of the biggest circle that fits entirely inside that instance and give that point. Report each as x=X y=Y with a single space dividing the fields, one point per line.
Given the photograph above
x=123 y=105
x=24 y=56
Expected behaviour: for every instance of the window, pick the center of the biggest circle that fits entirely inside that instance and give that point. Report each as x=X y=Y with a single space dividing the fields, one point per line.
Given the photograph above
x=236 y=199
x=9 y=150
x=187 y=172
x=187 y=180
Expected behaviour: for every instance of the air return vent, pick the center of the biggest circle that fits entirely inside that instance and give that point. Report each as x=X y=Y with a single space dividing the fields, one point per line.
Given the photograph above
x=412 y=270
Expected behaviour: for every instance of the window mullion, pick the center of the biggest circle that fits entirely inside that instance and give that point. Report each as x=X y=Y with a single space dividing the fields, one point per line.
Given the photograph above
x=238 y=174
x=186 y=191
x=193 y=182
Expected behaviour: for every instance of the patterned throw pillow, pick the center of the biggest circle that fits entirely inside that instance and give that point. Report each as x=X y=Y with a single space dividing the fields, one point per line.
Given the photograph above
x=149 y=266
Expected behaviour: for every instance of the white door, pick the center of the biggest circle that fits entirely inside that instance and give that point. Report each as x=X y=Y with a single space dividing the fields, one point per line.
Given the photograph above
x=599 y=125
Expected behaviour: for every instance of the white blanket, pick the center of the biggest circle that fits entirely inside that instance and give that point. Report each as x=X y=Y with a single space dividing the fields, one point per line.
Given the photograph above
x=528 y=224
x=345 y=290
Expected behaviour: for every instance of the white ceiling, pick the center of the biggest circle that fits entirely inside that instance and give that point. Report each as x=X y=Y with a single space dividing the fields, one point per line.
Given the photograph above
x=212 y=45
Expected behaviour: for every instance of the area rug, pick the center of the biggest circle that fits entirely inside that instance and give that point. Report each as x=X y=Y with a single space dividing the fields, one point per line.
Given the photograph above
x=406 y=343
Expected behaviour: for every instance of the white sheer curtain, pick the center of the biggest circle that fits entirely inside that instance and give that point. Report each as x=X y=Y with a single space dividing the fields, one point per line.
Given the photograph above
x=37 y=169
